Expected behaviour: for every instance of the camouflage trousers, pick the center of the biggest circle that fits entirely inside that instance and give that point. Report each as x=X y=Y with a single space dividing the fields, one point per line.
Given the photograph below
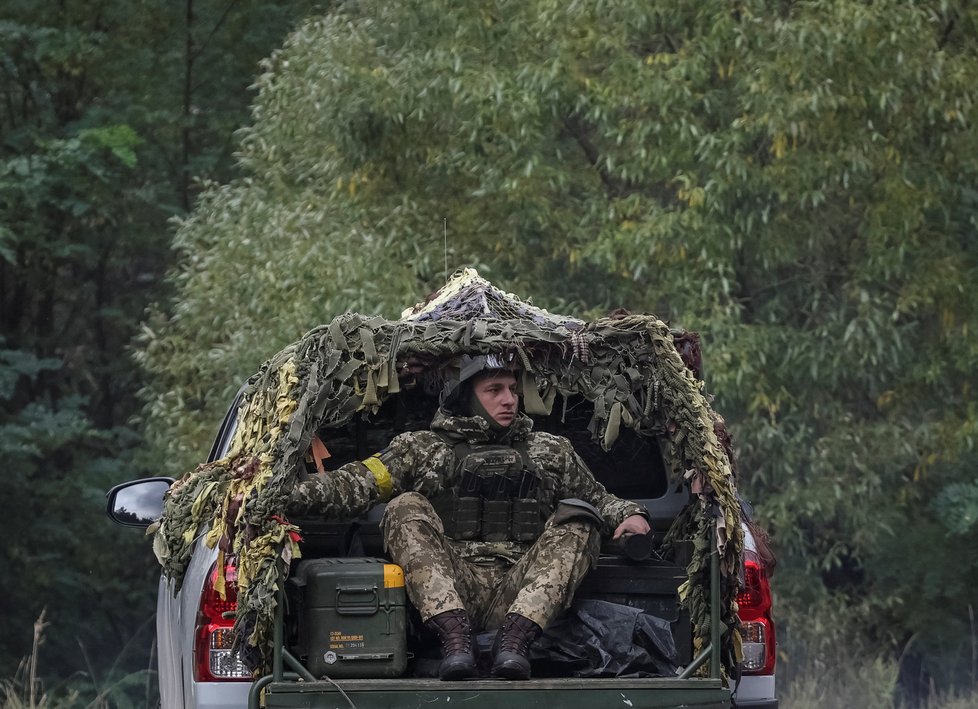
x=438 y=578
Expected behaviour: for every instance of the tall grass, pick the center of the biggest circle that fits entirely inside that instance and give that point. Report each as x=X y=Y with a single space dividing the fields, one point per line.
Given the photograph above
x=80 y=690
x=822 y=666
x=842 y=682
x=862 y=684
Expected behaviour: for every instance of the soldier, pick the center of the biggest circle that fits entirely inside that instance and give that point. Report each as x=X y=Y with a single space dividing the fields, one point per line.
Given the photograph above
x=494 y=525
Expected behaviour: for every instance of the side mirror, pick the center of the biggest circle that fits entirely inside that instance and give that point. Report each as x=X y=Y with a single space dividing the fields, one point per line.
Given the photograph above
x=137 y=503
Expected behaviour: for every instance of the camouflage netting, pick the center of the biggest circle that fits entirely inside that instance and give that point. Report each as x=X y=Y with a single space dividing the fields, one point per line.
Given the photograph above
x=629 y=366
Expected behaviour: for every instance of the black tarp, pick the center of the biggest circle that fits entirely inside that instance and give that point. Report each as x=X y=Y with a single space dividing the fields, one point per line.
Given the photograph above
x=601 y=639
x=591 y=639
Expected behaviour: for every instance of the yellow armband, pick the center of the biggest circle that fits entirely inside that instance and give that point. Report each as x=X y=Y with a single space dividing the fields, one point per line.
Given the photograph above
x=385 y=486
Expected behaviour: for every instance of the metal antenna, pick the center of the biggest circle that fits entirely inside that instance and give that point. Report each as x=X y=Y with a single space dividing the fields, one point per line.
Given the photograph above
x=446 y=249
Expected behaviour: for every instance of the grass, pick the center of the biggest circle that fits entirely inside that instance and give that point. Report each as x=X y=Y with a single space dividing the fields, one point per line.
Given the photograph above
x=866 y=685
x=81 y=690
x=869 y=684
x=833 y=671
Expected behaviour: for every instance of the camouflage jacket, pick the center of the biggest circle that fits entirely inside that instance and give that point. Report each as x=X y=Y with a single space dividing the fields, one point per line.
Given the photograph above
x=424 y=462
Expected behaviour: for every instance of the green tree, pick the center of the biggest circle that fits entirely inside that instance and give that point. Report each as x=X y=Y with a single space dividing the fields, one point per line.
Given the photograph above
x=59 y=554
x=795 y=180
x=107 y=109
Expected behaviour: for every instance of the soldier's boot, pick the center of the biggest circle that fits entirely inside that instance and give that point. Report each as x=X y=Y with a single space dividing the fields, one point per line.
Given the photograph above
x=457 y=648
x=511 y=649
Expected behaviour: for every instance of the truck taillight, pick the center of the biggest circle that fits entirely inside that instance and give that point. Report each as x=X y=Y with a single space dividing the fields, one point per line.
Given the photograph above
x=213 y=659
x=756 y=625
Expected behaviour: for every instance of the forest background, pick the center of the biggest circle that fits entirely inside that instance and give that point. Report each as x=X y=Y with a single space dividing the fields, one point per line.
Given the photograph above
x=794 y=180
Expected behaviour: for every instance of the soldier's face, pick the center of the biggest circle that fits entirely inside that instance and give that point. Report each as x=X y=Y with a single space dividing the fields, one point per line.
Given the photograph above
x=496 y=391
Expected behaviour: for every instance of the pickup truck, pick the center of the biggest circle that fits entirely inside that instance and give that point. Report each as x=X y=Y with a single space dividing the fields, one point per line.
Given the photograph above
x=200 y=666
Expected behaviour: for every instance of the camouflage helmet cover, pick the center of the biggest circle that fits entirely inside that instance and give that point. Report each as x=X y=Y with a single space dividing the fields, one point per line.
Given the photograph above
x=464 y=368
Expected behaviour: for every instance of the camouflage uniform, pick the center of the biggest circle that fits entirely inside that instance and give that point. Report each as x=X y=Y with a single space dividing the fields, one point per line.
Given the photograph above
x=488 y=579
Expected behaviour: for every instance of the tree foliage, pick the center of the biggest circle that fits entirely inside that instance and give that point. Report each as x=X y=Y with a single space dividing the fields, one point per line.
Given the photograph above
x=103 y=120
x=58 y=552
x=795 y=180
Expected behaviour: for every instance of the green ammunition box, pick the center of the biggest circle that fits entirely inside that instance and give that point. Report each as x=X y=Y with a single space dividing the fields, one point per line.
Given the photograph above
x=348 y=617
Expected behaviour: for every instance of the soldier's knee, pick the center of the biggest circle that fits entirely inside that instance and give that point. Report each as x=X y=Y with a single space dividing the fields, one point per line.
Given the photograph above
x=582 y=534
x=407 y=508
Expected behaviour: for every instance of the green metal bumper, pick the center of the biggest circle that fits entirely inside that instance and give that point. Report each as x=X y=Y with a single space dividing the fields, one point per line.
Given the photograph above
x=564 y=693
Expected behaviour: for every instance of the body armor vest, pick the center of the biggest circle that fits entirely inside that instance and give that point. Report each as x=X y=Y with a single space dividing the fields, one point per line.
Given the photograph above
x=498 y=495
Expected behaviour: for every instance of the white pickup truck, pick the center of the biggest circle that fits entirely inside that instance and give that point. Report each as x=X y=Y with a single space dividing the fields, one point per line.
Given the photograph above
x=625 y=390
x=197 y=669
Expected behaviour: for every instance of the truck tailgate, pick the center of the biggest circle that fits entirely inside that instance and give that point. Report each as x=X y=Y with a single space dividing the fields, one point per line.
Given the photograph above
x=564 y=693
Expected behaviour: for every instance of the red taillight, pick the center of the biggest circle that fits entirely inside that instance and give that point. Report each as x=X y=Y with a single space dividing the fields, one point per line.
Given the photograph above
x=756 y=625
x=213 y=660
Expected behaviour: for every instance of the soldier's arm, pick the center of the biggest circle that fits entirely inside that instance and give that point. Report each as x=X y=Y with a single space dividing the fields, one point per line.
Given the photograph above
x=633 y=524
x=351 y=490
x=580 y=482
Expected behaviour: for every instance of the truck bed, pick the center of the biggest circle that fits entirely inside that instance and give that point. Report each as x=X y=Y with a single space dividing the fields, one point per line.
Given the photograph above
x=651 y=586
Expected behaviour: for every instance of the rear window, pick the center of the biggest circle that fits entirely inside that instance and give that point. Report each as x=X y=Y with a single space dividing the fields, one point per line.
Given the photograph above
x=632 y=469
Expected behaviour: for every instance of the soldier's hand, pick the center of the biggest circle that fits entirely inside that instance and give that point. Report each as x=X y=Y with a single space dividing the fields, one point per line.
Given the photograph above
x=635 y=524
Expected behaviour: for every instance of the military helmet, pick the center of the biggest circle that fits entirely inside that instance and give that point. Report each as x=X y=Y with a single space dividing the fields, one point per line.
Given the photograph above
x=461 y=370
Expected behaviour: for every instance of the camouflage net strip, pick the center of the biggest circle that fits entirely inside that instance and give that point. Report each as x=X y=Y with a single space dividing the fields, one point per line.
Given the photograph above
x=629 y=367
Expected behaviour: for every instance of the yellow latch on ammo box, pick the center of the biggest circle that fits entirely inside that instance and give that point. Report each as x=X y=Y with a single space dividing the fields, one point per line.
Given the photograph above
x=393 y=576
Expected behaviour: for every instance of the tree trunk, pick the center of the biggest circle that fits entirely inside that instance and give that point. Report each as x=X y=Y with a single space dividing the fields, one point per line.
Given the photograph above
x=188 y=74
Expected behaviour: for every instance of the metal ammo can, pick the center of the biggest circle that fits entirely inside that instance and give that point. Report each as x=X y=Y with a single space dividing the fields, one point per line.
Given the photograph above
x=348 y=617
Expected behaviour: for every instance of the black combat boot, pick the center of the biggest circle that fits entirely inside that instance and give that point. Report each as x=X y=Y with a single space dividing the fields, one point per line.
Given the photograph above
x=457 y=648
x=512 y=647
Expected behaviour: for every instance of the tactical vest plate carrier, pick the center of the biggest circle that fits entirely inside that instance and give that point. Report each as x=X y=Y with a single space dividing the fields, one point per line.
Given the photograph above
x=498 y=496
